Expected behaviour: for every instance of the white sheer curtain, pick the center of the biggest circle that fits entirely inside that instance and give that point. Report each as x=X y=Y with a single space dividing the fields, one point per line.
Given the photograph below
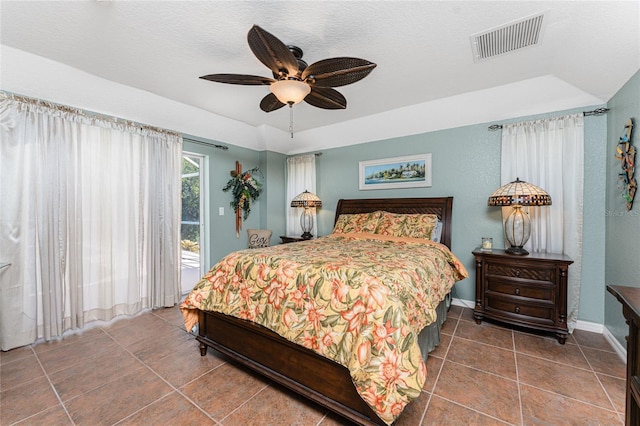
x=301 y=176
x=549 y=153
x=90 y=219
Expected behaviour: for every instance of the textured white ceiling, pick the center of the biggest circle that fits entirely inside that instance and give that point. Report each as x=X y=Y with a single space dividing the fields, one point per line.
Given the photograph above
x=589 y=49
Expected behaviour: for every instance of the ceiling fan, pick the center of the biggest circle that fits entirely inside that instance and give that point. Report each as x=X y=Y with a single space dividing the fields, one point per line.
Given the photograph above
x=293 y=80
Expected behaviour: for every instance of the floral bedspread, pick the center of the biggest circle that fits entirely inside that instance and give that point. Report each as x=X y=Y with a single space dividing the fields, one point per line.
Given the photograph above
x=358 y=299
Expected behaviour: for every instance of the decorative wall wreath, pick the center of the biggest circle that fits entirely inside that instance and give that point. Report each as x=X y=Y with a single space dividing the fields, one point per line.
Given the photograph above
x=626 y=153
x=245 y=189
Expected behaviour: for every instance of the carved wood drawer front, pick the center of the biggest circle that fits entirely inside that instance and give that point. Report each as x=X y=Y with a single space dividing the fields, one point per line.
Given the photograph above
x=530 y=273
x=541 y=291
x=509 y=306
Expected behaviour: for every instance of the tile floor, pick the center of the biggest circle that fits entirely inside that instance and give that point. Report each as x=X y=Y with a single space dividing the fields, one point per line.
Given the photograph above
x=147 y=370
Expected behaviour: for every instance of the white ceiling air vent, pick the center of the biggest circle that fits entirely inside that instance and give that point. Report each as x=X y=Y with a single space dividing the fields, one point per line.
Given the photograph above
x=507 y=38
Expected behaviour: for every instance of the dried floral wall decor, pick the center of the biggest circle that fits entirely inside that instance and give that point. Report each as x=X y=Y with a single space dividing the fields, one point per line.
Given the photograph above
x=245 y=189
x=626 y=153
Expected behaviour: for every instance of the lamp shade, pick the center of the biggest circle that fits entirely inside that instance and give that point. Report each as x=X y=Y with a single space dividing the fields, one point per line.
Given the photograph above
x=290 y=91
x=517 y=226
x=521 y=193
x=306 y=199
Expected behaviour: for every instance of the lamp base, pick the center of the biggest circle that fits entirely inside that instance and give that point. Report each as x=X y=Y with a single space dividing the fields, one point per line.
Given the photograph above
x=306 y=236
x=518 y=251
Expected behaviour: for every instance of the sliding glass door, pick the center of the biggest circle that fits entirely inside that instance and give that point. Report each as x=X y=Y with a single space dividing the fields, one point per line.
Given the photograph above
x=192 y=231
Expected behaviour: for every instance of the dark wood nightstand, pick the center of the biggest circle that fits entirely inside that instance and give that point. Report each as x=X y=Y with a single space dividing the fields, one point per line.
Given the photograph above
x=528 y=291
x=286 y=240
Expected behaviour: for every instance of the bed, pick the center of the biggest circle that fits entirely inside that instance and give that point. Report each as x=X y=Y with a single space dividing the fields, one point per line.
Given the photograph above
x=302 y=369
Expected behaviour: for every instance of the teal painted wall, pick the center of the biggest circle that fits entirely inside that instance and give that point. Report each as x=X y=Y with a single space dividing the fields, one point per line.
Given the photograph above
x=622 y=257
x=222 y=234
x=466 y=165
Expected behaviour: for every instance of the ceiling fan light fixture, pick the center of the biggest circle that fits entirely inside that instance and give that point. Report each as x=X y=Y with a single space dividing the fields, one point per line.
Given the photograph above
x=290 y=91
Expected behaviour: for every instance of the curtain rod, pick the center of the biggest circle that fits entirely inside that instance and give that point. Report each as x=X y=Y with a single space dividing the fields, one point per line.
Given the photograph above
x=222 y=147
x=89 y=115
x=597 y=111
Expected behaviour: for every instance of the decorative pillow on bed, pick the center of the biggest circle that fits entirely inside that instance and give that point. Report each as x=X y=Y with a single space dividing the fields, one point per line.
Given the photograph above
x=407 y=225
x=258 y=238
x=359 y=222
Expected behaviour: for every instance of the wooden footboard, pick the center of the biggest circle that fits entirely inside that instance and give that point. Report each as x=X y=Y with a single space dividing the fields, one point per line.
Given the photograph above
x=295 y=367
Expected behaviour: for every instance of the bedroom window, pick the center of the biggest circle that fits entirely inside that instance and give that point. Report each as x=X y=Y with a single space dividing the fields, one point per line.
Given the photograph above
x=192 y=226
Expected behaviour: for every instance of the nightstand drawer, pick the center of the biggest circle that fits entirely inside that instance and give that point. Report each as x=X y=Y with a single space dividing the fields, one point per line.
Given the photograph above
x=524 y=272
x=509 y=306
x=541 y=291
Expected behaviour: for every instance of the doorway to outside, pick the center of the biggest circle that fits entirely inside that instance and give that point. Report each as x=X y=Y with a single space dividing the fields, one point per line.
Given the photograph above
x=192 y=228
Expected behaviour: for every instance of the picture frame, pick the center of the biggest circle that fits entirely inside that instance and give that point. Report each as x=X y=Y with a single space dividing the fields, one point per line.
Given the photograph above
x=413 y=171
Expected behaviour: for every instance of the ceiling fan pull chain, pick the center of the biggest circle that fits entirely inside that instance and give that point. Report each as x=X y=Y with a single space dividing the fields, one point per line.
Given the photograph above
x=291 y=119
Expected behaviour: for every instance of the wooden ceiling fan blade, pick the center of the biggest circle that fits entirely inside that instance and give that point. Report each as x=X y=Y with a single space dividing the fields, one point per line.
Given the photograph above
x=336 y=72
x=326 y=98
x=270 y=103
x=272 y=52
x=247 y=80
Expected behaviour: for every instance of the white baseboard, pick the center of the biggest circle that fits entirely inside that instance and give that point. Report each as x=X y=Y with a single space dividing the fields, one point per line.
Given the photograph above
x=464 y=303
x=617 y=346
x=589 y=326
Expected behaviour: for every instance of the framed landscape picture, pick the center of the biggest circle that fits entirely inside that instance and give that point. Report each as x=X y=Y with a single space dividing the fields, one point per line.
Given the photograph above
x=394 y=173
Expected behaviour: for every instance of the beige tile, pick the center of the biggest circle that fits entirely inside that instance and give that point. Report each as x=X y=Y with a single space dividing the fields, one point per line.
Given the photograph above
x=25 y=400
x=19 y=371
x=467 y=314
x=434 y=365
x=74 y=336
x=540 y=407
x=565 y=380
x=90 y=373
x=592 y=340
x=273 y=406
x=68 y=355
x=223 y=389
x=483 y=357
x=163 y=343
x=616 y=389
x=117 y=399
x=605 y=362
x=549 y=348
x=54 y=416
x=171 y=315
x=15 y=354
x=454 y=312
x=441 y=350
x=480 y=391
x=184 y=364
x=139 y=329
x=442 y=412
x=173 y=410
x=486 y=333
x=449 y=326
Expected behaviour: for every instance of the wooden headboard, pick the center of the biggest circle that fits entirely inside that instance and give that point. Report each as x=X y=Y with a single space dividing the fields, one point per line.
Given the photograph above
x=442 y=206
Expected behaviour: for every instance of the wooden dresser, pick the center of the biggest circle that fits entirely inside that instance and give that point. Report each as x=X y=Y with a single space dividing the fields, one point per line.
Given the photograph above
x=630 y=299
x=528 y=291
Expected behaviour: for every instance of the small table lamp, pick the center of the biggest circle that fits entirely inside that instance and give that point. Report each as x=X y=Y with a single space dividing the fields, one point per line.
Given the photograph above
x=306 y=200
x=517 y=226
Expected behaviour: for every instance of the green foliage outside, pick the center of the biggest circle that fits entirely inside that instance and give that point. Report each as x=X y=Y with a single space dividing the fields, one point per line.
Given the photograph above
x=190 y=234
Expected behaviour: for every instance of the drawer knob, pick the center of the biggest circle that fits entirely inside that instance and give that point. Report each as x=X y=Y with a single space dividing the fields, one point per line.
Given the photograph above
x=517 y=272
x=517 y=291
x=517 y=310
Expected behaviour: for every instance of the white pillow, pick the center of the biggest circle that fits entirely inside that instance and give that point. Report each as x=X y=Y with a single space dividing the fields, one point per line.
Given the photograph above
x=437 y=232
